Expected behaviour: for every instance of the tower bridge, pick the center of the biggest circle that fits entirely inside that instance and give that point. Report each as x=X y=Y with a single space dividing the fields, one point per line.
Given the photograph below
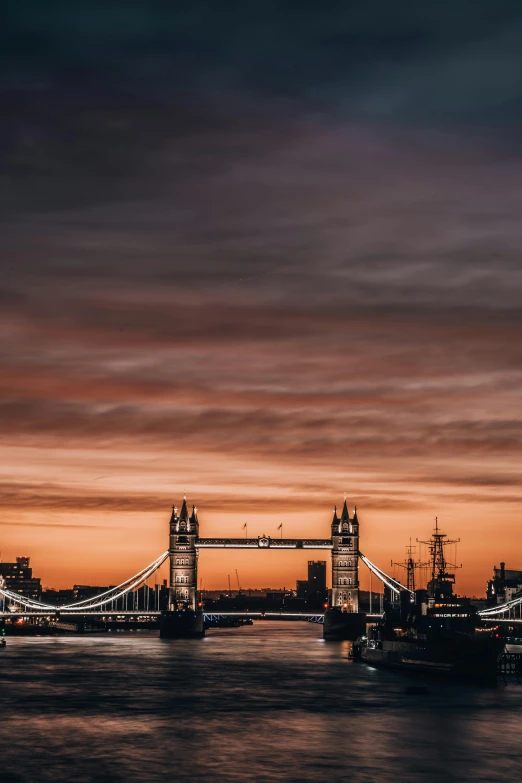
x=185 y=544
x=182 y=555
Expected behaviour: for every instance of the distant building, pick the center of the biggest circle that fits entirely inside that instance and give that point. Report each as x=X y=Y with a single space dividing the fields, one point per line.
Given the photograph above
x=278 y=599
x=317 y=593
x=58 y=597
x=19 y=578
x=83 y=592
x=301 y=589
x=506 y=583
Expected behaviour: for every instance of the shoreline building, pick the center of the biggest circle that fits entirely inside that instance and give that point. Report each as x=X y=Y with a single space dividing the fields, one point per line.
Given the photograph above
x=506 y=583
x=19 y=578
x=317 y=593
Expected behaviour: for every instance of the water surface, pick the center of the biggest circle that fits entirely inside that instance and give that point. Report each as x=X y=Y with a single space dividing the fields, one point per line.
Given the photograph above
x=271 y=702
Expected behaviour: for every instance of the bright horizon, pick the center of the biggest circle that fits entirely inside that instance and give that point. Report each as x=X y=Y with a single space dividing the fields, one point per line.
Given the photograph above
x=115 y=557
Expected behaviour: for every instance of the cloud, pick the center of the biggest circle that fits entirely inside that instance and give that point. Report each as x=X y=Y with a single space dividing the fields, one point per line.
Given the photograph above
x=87 y=500
x=410 y=62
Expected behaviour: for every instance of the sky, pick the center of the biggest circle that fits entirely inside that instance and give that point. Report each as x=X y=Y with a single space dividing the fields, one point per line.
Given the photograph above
x=264 y=253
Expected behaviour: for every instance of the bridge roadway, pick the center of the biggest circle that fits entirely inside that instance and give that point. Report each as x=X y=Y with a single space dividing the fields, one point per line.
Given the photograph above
x=264 y=542
x=154 y=613
x=150 y=614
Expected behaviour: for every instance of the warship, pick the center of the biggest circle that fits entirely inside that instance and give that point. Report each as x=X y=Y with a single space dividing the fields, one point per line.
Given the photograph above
x=432 y=630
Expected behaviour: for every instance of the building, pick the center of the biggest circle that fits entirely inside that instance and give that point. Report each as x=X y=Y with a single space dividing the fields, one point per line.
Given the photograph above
x=19 y=578
x=301 y=589
x=506 y=583
x=58 y=597
x=316 y=590
x=279 y=598
x=85 y=592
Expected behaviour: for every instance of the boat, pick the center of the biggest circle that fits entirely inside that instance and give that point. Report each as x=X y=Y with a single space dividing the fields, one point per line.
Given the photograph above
x=433 y=631
x=465 y=656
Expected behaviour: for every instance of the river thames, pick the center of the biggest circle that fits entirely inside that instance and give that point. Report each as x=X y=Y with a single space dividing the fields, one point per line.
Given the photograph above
x=271 y=702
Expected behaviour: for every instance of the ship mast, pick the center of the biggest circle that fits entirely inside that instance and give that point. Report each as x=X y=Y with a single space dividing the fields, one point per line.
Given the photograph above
x=410 y=565
x=442 y=581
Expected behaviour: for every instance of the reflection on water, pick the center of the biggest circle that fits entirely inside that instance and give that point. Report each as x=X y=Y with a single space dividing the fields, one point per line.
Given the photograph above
x=265 y=703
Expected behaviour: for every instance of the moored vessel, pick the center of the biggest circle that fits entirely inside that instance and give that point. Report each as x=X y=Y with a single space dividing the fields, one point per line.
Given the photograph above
x=457 y=654
x=432 y=630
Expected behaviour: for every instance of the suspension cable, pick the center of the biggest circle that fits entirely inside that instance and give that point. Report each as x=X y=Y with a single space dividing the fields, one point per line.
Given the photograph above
x=29 y=603
x=156 y=564
x=494 y=610
x=95 y=602
x=89 y=603
x=389 y=581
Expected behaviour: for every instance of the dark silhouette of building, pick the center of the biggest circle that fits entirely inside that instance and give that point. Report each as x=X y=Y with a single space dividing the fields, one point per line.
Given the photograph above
x=83 y=592
x=19 y=578
x=58 y=597
x=506 y=583
x=301 y=589
x=317 y=593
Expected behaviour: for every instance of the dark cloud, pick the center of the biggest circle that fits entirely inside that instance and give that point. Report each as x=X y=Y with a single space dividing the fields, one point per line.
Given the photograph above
x=98 y=99
x=374 y=59
x=49 y=498
x=314 y=434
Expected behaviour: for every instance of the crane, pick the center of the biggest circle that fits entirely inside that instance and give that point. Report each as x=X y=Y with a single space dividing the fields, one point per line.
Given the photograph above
x=238 y=586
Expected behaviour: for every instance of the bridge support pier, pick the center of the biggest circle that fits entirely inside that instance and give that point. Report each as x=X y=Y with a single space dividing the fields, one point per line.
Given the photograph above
x=340 y=625
x=182 y=624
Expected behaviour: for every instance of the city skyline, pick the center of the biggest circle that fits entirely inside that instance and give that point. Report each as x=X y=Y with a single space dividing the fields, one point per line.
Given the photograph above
x=217 y=566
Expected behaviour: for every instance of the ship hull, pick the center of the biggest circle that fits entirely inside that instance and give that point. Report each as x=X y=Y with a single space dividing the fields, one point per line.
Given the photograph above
x=464 y=660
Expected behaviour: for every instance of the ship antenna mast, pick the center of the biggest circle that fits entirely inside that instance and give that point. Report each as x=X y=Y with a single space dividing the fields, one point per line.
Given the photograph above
x=410 y=565
x=441 y=582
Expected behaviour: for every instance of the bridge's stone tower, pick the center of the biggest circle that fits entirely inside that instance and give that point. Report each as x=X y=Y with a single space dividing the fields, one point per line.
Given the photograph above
x=184 y=532
x=345 y=561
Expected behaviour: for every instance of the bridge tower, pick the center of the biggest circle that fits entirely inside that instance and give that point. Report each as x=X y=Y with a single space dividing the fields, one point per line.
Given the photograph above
x=184 y=532
x=345 y=561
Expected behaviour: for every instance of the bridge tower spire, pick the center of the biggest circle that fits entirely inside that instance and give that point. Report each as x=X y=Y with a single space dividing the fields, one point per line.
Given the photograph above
x=345 y=561
x=183 y=554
